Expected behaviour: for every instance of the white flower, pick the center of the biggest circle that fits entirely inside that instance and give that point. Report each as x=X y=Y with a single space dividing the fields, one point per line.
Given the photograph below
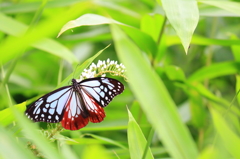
x=112 y=63
x=102 y=68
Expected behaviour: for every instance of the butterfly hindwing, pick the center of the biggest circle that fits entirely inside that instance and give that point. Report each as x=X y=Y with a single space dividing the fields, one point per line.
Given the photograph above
x=75 y=115
x=96 y=112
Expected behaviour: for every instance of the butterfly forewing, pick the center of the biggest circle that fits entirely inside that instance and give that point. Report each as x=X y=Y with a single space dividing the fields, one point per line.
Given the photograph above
x=103 y=90
x=49 y=108
x=76 y=104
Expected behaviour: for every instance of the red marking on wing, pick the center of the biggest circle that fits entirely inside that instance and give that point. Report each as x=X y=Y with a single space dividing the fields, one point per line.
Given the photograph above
x=95 y=111
x=97 y=114
x=73 y=122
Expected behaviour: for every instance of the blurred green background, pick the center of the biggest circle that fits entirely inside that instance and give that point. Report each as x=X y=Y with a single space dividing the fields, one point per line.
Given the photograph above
x=181 y=95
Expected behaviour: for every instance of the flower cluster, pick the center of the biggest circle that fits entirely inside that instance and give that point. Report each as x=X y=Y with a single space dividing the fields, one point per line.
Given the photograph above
x=103 y=67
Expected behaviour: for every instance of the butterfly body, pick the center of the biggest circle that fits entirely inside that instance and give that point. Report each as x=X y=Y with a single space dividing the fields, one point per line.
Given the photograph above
x=75 y=105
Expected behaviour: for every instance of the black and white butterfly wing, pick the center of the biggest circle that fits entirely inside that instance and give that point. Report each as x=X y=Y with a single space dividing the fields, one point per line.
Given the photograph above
x=101 y=89
x=50 y=107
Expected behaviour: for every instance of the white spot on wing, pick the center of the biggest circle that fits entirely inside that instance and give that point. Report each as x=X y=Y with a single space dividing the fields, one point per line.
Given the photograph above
x=102 y=102
x=51 y=111
x=47 y=105
x=102 y=94
x=44 y=110
x=110 y=87
x=105 y=89
x=54 y=104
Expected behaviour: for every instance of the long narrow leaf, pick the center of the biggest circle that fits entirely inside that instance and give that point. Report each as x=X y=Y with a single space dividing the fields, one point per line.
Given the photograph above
x=154 y=98
x=230 y=139
x=226 y=5
x=15 y=28
x=6 y=115
x=136 y=139
x=10 y=148
x=87 y=20
x=208 y=72
x=44 y=29
x=32 y=133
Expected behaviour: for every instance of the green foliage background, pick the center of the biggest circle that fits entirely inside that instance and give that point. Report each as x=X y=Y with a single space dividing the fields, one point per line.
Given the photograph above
x=182 y=58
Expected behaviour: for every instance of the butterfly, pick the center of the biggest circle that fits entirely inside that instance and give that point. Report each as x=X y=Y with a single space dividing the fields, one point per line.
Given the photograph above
x=77 y=104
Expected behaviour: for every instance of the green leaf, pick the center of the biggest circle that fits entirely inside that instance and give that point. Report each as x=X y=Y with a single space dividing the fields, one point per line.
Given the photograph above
x=143 y=40
x=231 y=139
x=152 y=24
x=209 y=72
x=183 y=16
x=235 y=51
x=15 y=46
x=11 y=148
x=16 y=28
x=136 y=139
x=27 y=7
x=30 y=130
x=155 y=100
x=87 y=20
x=95 y=151
x=200 y=40
x=11 y=26
x=210 y=153
x=197 y=108
x=67 y=152
x=175 y=73
x=107 y=140
x=6 y=115
x=210 y=96
x=226 y=5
